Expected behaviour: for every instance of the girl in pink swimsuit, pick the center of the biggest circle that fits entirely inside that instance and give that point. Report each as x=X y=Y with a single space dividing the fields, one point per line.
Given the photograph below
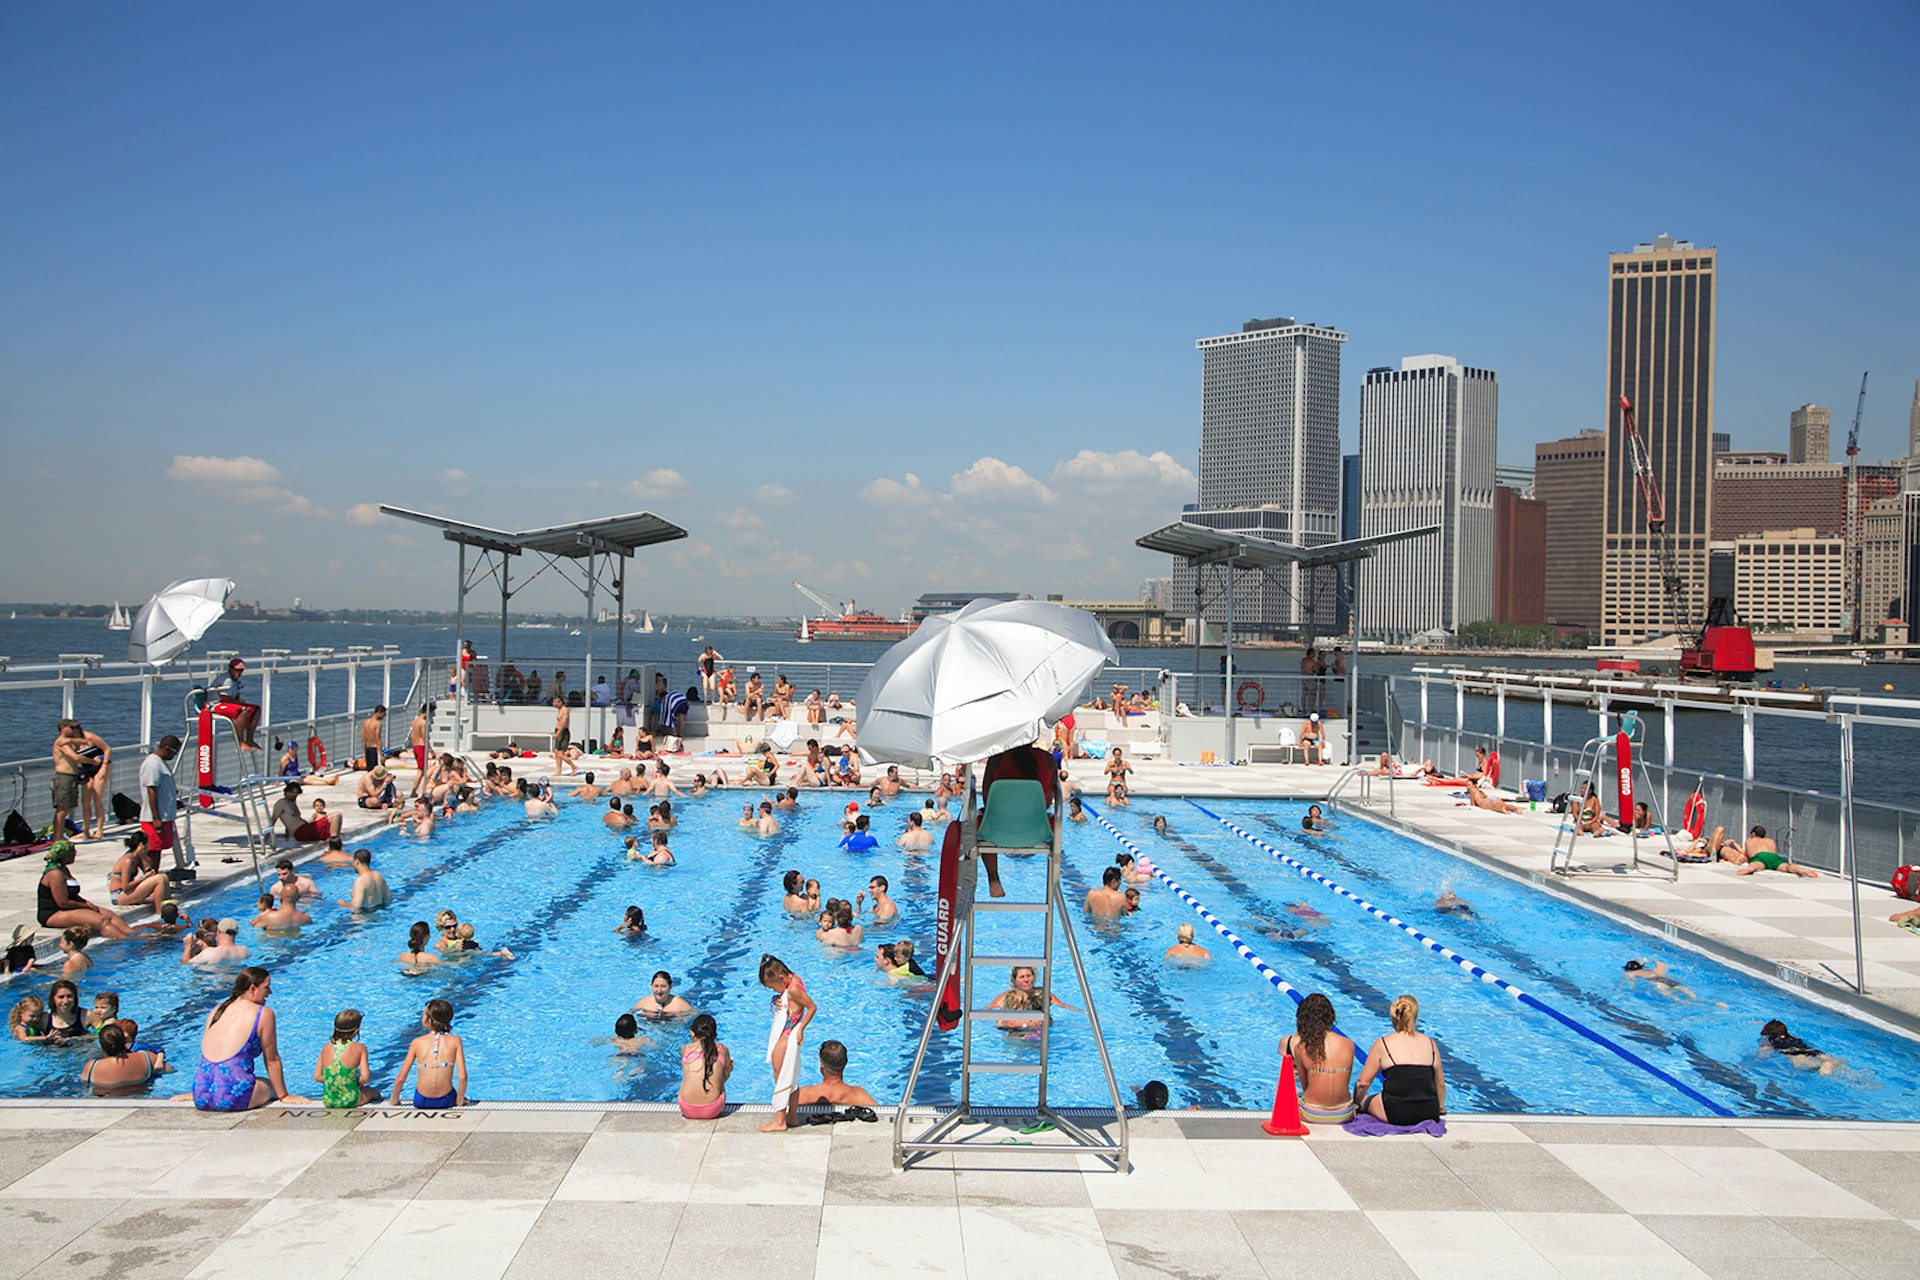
x=705 y=1065
x=793 y=1009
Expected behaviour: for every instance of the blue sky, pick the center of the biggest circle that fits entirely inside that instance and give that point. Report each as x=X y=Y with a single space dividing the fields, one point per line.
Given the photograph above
x=884 y=297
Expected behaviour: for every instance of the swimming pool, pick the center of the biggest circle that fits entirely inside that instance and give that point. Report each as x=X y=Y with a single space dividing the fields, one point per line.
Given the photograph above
x=553 y=892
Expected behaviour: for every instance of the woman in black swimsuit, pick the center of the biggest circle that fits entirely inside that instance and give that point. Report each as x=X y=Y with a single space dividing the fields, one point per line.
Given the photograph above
x=1413 y=1087
x=60 y=903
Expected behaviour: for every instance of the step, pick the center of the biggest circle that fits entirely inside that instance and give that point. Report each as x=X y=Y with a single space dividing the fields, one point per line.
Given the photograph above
x=1005 y=1068
x=1007 y=1015
x=1011 y=962
x=998 y=905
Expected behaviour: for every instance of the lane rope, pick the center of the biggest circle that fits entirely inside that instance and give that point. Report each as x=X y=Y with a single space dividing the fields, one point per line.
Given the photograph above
x=1524 y=997
x=1244 y=951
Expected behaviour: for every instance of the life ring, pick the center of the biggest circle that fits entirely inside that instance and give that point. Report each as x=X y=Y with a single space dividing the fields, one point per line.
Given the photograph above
x=1249 y=696
x=316 y=752
x=1493 y=768
x=1694 y=817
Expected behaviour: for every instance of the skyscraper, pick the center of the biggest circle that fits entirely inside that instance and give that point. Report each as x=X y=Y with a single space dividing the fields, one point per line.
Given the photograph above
x=1913 y=441
x=1809 y=431
x=1270 y=465
x=1569 y=476
x=1660 y=339
x=1429 y=432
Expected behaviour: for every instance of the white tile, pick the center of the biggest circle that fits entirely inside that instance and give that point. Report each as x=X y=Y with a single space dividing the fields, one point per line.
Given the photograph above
x=313 y=1239
x=471 y=1239
x=635 y=1166
x=1641 y=1179
x=244 y=1164
x=888 y=1240
x=94 y=1118
x=1756 y=908
x=1290 y=1168
x=1005 y=1241
x=1459 y=1245
x=1811 y=1138
x=411 y=1120
x=764 y=1168
x=1175 y=1174
x=539 y=1121
x=1771 y=1183
x=113 y=1162
x=1587 y=1237
x=1903 y=1139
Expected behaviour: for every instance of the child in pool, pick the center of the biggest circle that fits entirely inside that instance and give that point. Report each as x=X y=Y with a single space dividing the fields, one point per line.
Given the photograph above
x=634 y=922
x=342 y=1072
x=442 y=1060
x=626 y=1035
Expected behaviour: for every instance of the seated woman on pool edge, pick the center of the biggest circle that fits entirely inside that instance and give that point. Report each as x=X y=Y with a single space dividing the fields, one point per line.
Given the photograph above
x=703 y=1058
x=1411 y=1090
x=239 y=1029
x=442 y=1059
x=1325 y=1061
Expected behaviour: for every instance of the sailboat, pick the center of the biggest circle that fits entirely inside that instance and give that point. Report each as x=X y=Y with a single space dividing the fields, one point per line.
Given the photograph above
x=119 y=621
x=805 y=636
x=646 y=624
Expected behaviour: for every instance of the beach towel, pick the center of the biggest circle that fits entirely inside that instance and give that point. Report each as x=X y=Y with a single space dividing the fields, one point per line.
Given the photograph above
x=1365 y=1126
x=789 y=1074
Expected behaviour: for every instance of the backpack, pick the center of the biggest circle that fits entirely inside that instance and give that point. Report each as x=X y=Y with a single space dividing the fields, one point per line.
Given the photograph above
x=125 y=808
x=1561 y=801
x=18 y=830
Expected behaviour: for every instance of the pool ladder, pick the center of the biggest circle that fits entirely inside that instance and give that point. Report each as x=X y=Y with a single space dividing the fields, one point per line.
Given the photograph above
x=1568 y=834
x=962 y=960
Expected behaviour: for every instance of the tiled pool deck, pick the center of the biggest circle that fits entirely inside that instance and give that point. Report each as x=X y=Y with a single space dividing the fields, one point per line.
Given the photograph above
x=159 y=1190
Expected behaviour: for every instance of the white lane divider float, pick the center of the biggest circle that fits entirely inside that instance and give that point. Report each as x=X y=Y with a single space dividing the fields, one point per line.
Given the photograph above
x=1523 y=997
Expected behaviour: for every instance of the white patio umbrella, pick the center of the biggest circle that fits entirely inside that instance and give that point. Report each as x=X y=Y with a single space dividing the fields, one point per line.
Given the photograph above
x=987 y=678
x=167 y=624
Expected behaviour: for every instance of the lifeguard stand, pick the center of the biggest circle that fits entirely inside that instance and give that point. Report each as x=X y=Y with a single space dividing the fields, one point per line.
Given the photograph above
x=1631 y=780
x=1013 y=824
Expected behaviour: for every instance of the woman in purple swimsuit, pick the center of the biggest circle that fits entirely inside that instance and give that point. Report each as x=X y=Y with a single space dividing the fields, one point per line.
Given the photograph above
x=239 y=1030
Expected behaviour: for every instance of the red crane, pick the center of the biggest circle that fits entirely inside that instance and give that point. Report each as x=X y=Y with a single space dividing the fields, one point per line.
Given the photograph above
x=1721 y=649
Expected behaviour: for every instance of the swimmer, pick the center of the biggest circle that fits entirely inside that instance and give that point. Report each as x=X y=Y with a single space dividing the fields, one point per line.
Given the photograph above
x=1663 y=981
x=885 y=910
x=615 y=816
x=1133 y=900
x=370 y=890
x=1185 y=950
x=660 y=856
x=660 y=1002
x=1453 y=902
x=839 y=928
x=1314 y=821
x=747 y=820
x=586 y=790
x=634 y=922
x=916 y=835
x=1775 y=1038
x=795 y=900
x=1074 y=812
x=767 y=824
x=417 y=957
x=275 y=918
x=1129 y=872
x=626 y=1039
x=464 y=942
x=1161 y=828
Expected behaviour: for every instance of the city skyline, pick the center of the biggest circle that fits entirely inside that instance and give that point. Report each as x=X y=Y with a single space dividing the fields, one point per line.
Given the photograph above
x=882 y=300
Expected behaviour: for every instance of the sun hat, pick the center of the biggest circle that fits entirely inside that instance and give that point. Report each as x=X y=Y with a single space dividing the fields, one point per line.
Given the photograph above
x=23 y=934
x=379 y=771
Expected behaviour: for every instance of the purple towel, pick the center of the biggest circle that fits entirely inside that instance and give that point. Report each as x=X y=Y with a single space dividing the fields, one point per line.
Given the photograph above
x=1365 y=1126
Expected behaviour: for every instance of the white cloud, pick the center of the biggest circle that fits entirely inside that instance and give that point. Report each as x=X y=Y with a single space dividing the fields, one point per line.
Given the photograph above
x=885 y=491
x=661 y=482
x=773 y=495
x=1127 y=469
x=991 y=480
x=249 y=539
x=400 y=540
x=364 y=513
x=455 y=480
x=242 y=479
x=740 y=518
x=234 y=471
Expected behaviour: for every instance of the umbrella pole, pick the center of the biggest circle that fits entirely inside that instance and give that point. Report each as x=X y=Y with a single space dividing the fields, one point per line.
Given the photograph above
x=1226 y=689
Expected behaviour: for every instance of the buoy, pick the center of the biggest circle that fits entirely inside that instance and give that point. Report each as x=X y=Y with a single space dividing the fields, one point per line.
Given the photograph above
x=1888 y=687
x=1285 y=1122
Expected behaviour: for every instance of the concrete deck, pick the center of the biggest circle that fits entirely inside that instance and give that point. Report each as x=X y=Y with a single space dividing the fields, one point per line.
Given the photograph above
x=160 y=1192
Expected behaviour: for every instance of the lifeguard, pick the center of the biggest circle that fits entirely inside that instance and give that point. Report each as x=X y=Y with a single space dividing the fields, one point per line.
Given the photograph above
x=226 y=699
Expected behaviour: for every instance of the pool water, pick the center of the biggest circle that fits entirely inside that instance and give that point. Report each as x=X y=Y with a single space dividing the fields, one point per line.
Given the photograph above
x=553 y=892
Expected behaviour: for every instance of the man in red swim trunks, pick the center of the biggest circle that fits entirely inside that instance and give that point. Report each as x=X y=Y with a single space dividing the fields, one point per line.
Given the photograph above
x=229 y=703
x=159 y=798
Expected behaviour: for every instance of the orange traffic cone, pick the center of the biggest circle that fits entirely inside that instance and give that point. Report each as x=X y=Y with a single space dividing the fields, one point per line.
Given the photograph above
x=1285 y=1122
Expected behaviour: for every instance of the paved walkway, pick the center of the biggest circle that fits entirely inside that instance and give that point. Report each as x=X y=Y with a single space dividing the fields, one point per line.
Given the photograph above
x=163 y=1192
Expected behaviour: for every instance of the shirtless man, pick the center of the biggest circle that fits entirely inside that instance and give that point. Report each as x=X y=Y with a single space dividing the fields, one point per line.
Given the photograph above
x=586 y=790
x=375 y=791
x=766 y=824
x=756 y=697
x=372 y=731
x=66 y=774
x=562 y=737
x=298 y=828
x=290 y=885
x=279 y=917
x=1184 y=948
x=224 y=949
x=1313 y=741
x=417 y=739
x=885 y=911
x=1107 y=900
x=833 y=1088
x=891 y=784
x=625 y=784
x=661 y=784
x=418 y=820
x=616 y=817
x=1759 y=853
x=370 y=891
x=916 y=835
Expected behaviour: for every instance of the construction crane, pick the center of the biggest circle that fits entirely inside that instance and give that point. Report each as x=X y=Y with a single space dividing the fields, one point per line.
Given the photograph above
x=1855 y=606
x=1718 y=648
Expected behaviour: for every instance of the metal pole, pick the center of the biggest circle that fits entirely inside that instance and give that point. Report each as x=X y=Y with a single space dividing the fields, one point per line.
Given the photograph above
x=1746 y=765
x=266 y=699
x=313 y=687
x=146 y=710
x=1666 y=783
x=1459 y=724
x=599 y=725
x=353 y=684
x=506 y=561
x=386 y=682
x=1353 y=670
x=1849 y=849
x=459 y=650
x=620 y=625
x=66 y=699
x=1546 y=718
x=1226 y=690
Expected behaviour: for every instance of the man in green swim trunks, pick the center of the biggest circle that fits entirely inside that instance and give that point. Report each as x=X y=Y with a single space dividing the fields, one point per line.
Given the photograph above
x=1759 y=853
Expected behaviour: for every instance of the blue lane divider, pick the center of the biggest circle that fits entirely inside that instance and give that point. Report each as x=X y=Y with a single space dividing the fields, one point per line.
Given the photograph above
x=1245 y=952
x=1523 y=997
